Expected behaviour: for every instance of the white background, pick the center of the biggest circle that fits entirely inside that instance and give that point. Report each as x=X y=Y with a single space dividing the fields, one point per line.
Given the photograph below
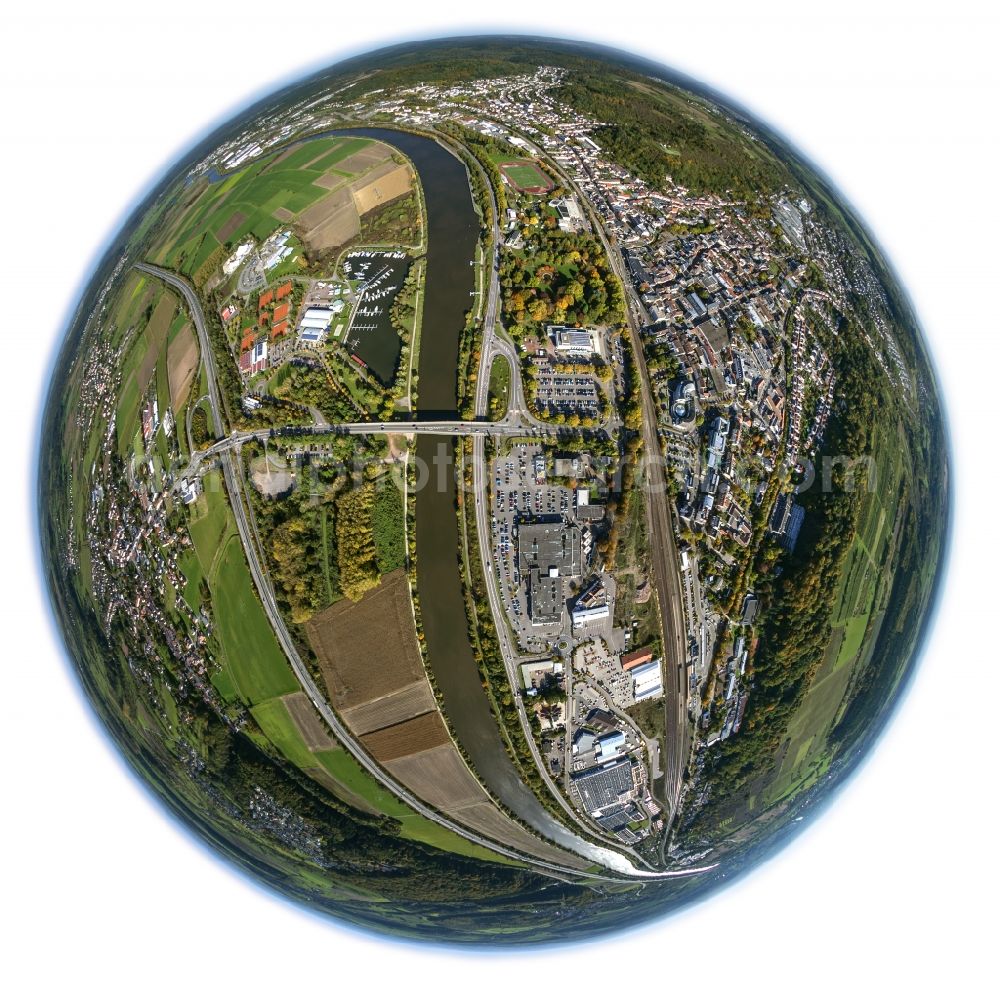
x=895 y=101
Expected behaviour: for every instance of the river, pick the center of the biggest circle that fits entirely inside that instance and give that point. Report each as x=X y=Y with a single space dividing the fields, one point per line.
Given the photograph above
x=452 y=233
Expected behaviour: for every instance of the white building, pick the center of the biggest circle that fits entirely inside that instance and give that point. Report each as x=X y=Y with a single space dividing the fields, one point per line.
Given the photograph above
x=237 y=258
x=573 y=341
x=314 y=325
x=611 y=745
x=647 y=681
x=584 y=616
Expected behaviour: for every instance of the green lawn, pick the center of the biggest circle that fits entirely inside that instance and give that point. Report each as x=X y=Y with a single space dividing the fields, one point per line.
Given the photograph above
x=277 y=724
x=127 y=415
x=252 y=655
x=500 y=385
x=212 y=525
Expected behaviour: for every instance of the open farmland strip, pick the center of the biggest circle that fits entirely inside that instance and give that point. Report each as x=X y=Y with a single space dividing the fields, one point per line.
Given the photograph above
x=411 y=701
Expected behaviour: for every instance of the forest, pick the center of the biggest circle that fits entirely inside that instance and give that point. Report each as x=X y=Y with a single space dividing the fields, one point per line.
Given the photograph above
x=660 y=134
x=559 y=278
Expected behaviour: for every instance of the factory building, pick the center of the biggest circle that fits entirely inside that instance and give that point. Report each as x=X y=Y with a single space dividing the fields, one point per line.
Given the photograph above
x=610 y=746
x=611 y=784
x=647 y=681
x=547 y=553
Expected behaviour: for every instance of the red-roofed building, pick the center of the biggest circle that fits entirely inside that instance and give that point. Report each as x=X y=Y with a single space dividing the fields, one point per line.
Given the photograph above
x=283 y=291
x=279 y=329
x=255 y=359
x=281 y=312
x=228 y=312
x=637 y=658
x=265 y=299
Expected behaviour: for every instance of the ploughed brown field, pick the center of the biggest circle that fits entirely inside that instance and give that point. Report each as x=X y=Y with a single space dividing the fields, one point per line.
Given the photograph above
x=363 y=159
x=380 y=712
x=182 y=363
x=408 y=737
x=159 y=324
x=371 y=665
x=330 y=221
x=330 y=180
x=381 y=185
x=230 y=226
x=368 y=648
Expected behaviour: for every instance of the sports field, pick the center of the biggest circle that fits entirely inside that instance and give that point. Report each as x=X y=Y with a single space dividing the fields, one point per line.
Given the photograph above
x=526 y=176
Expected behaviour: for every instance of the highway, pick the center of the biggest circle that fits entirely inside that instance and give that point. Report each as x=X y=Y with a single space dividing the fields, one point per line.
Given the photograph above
x=248 y=536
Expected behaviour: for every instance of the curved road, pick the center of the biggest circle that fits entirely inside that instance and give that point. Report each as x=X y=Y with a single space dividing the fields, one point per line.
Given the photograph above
x=247 y=531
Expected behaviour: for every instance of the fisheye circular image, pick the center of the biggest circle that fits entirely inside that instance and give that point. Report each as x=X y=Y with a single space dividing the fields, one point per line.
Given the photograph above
x=493 y=491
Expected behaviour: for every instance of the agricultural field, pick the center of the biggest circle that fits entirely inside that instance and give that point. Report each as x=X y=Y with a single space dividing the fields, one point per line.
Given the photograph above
x=320 y=187
x=346 y=636
x=254 y=671
x=257 y=664
x=151 y=328
x=341 y=765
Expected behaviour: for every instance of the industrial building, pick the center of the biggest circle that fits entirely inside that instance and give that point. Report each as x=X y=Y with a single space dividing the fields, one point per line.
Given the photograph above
x=647 y=681
x=612 y=784
x=547 y=553
x=610 y=746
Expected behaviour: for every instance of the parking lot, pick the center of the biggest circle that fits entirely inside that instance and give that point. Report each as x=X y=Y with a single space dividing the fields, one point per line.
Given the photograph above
x=594 y=659
x=520 y=490
x=568 y=393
